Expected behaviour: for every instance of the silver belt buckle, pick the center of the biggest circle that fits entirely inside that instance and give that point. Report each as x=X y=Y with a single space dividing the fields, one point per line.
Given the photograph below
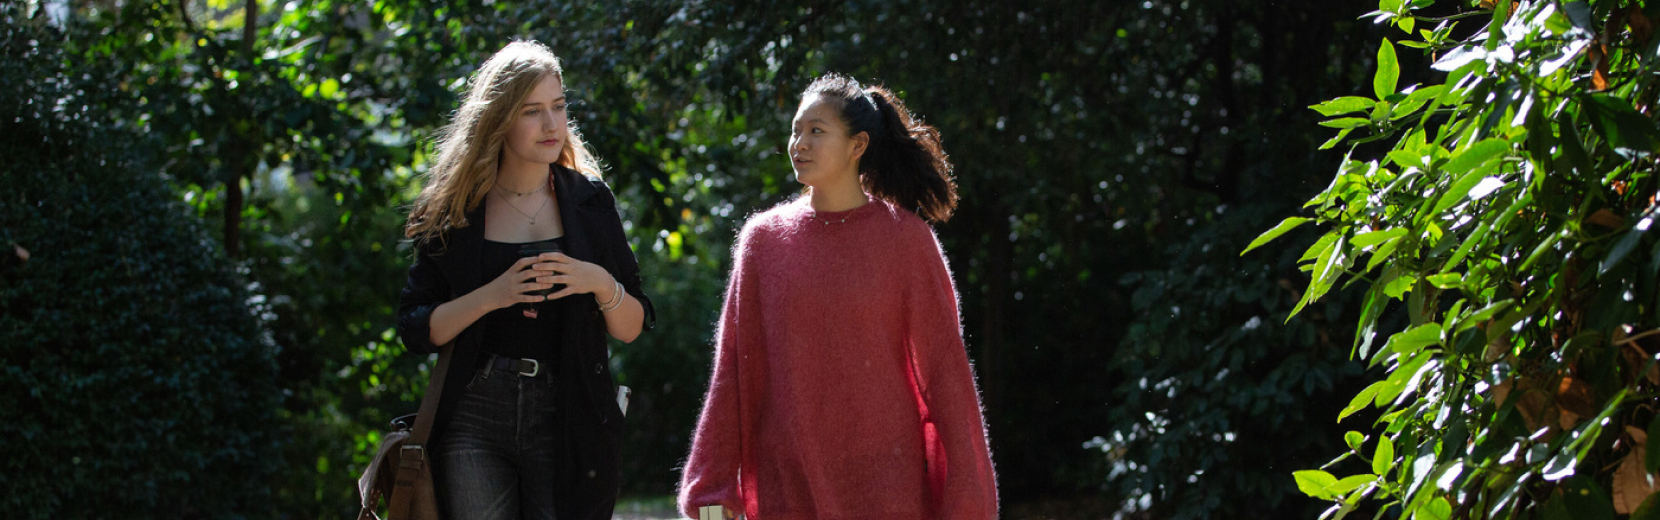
x=535 y=368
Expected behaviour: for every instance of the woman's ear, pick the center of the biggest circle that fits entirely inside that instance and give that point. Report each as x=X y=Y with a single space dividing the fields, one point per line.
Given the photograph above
x=861 y=142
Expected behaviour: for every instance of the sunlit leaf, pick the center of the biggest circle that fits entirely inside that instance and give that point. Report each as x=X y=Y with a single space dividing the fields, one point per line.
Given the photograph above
x=1415 y=338
x=1383 y=84
x=1314 y=483
x=1343 y=105
x=1284 y=227
x=1383 y=459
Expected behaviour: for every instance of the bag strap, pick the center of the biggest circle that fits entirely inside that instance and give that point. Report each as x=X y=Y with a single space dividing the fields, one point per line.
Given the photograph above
x=429 y=403
x=412 y=456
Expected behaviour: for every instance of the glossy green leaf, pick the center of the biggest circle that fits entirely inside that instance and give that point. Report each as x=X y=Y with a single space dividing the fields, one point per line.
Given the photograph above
x=1383 y=83
x=1436 y=508
x=1363 y=399
x=1476 y=155
x=1371 y=238
x=1483 y=314
x=1446 y=280
x=1470 y=243
x=1314 y=483
x=1383 y=458
x=1327 y=268
x=1350 y=483
x=1415 y=338
x=1383 y=252
x=1343 y=105
x=1354 y=440
x=1346 y=122
x=1284 y=227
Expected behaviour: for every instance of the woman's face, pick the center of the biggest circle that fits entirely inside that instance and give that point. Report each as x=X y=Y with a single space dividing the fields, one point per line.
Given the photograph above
x=537 y=134
x=820 y=150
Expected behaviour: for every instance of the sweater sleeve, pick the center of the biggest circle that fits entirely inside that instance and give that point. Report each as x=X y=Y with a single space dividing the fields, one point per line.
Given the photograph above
x=711 y=476
x=946 y=382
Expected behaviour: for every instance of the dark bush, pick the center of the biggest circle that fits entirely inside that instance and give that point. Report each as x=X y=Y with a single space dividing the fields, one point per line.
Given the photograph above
x=136 y=383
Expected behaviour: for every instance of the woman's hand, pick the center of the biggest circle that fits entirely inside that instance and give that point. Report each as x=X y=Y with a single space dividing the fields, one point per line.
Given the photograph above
x=511 y=286
x=579 y=277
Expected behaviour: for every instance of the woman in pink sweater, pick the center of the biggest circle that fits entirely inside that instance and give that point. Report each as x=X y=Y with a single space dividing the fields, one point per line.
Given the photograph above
x=841 y=387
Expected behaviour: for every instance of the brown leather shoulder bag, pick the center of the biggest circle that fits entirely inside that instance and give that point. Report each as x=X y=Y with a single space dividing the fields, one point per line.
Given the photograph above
x=402 y=468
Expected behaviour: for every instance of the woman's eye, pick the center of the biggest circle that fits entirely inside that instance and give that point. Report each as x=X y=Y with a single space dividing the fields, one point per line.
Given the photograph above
x=531 y=112
x=560 y=107
x=818 y=131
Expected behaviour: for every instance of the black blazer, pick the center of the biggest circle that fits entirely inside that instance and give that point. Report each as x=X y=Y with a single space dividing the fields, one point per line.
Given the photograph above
x=447 y=268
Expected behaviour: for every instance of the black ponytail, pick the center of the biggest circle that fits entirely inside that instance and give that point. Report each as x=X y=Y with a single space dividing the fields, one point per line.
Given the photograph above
x=904 y=163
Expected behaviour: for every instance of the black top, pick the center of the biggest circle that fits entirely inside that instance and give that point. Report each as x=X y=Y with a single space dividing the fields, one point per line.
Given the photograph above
x=449 y=266
x=522 y=330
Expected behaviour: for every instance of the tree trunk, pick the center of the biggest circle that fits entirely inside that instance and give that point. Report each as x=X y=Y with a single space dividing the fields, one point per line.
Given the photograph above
x=240 y=163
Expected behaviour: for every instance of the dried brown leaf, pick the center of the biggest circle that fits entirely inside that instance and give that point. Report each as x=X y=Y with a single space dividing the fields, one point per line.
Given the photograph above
x=1606 y=219
x=1576 y=396
x=1631 y=484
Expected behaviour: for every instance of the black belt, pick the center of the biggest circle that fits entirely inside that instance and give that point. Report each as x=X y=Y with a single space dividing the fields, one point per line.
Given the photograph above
x=523 y=367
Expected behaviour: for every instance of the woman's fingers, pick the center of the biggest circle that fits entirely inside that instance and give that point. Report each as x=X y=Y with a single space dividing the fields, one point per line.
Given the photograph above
x=567 y=291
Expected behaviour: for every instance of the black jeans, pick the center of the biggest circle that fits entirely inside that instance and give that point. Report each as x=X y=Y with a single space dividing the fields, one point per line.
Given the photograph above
x=497 y=458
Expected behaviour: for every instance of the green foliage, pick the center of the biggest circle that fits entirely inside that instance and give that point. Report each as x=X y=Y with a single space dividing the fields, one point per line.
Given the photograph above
x=1507 y=229
x=1092 y=141
x=136 y=382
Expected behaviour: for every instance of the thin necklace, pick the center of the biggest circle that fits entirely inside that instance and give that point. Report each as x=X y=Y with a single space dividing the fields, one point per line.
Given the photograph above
x=531 y=216
x=827 y=222
x=515 y=193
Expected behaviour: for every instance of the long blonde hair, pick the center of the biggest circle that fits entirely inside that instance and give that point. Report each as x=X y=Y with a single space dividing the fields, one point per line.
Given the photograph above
x=471 y=145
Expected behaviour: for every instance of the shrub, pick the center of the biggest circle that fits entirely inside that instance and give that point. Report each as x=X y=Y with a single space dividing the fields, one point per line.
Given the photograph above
x=136 y=384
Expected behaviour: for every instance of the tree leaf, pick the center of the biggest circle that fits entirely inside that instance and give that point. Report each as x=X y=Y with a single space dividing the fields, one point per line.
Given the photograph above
x=1446 y=280
x=1436 y=508
x=1626 y=130
x=1389 y=71
x=1650 y=508
x=1483 y=314
x=1349 y=483
x=1343 y=105
x=1631 y=485
x=1383 y=252
x=1346 y=122
x=1626 y=244
x=1281 y=229
x=1354 y=440
x=1371 y=238
x=1383 y=458
x=1476 y=155
x=1415 y=338
x=1361 y=400
x=1326 y=270
x=1314 y=483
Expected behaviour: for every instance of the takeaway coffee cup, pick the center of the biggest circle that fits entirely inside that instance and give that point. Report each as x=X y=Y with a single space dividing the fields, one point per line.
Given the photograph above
x=537 y=248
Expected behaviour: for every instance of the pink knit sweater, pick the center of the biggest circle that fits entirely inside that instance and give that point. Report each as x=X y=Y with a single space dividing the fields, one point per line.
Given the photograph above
x=840 y=334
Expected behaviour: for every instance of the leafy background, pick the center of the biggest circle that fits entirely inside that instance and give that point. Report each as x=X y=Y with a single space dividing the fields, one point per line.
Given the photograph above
x=1500 y=231
x=1114 y=158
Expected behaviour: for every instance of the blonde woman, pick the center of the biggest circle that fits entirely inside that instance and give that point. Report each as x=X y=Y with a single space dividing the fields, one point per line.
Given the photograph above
x=521 y=267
